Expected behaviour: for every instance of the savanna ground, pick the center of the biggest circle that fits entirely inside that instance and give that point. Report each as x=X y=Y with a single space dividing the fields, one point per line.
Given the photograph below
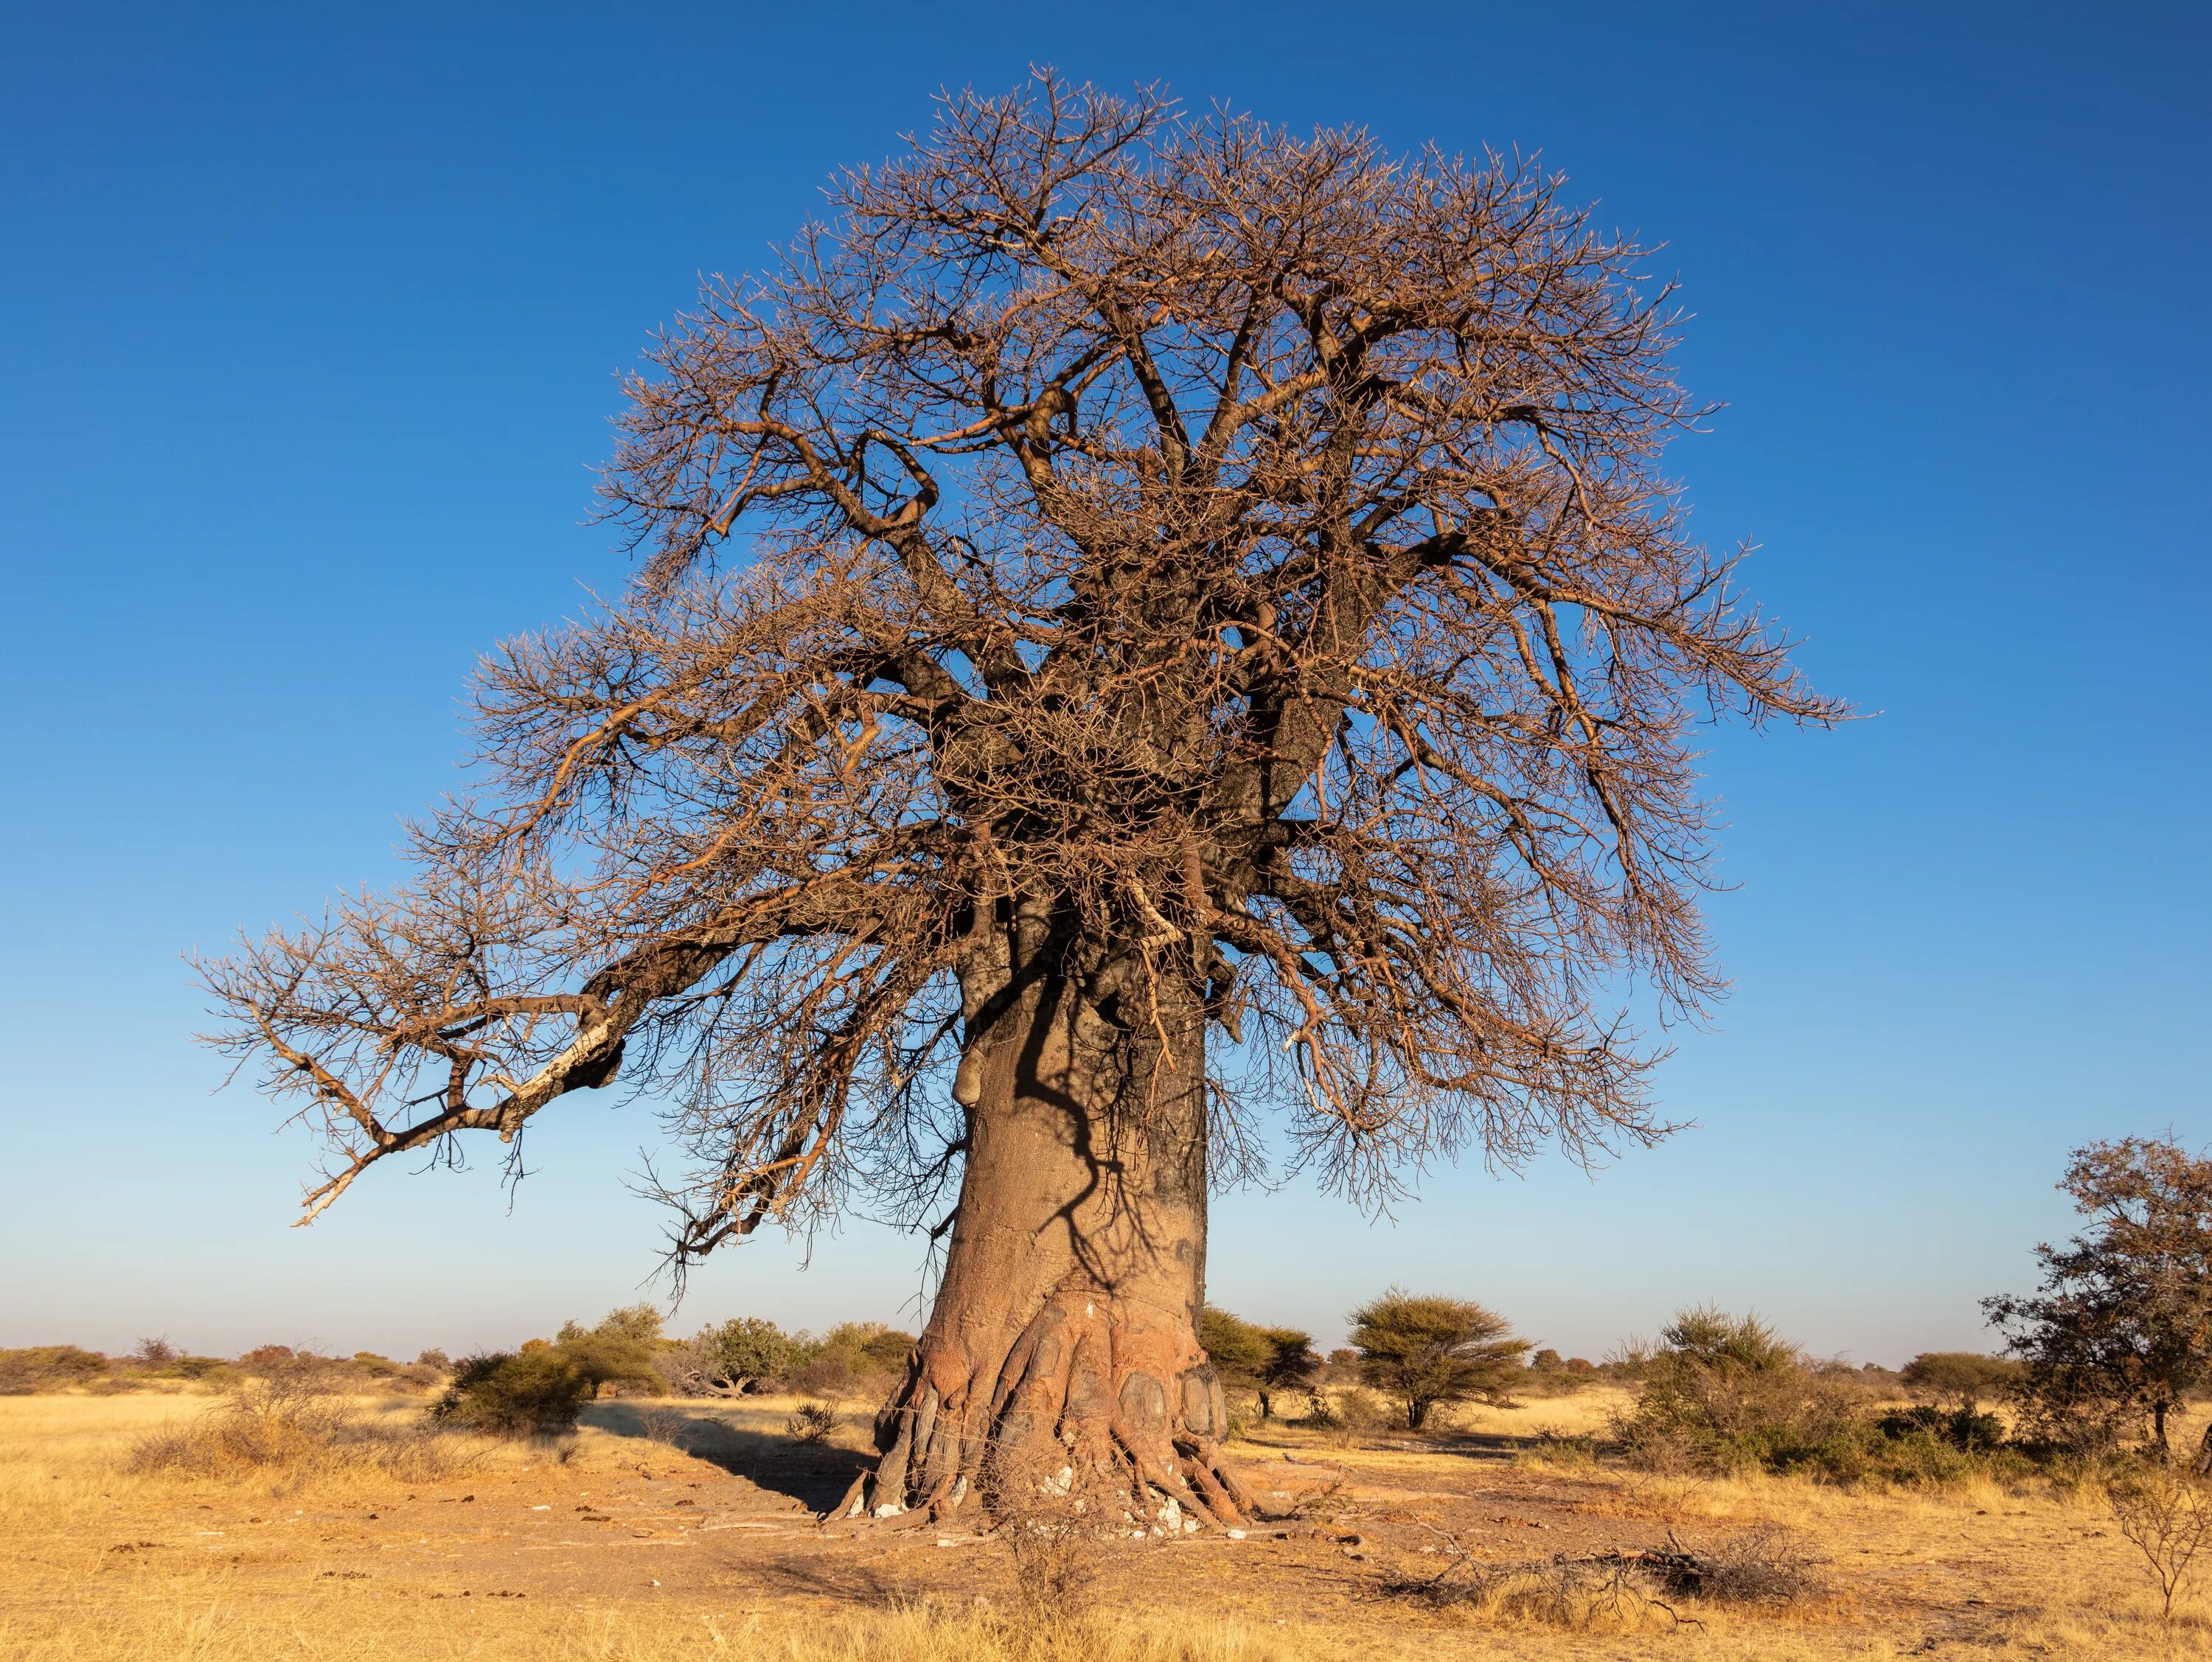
x=686 y=1529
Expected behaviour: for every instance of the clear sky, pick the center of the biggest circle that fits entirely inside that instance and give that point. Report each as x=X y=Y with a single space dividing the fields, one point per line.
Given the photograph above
x=310 y=317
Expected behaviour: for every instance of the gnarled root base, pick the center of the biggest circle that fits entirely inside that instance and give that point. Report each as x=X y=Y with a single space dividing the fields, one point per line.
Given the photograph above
x=1109 y=1401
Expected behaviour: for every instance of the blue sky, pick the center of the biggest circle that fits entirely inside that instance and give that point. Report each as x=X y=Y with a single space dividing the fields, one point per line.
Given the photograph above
x=311 y=326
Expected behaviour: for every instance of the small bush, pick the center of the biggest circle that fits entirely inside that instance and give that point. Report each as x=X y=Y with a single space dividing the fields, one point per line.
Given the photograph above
x=536 y=1391
x=1723 y=1392
x=816 y=1422
x=1620 y=1591
x=1550 y=1448
x=48 y=1367
x=2167 y=1514
x=1963 y=1428
x=1607 y=1592
x=1056 y=1524
x=1345 y=1417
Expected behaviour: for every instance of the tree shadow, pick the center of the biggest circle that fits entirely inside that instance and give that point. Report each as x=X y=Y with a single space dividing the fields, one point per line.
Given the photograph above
x=1283 y=1437
x=842 y=1580
x=815 y=1476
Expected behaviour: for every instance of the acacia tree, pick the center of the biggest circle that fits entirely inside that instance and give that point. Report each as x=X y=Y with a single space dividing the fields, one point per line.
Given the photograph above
x=1424 y=1351
x=1144 y=622
x=1291 y=1365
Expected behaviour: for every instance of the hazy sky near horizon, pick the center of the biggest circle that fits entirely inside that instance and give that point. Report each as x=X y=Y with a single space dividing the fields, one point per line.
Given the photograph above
x=311 y=321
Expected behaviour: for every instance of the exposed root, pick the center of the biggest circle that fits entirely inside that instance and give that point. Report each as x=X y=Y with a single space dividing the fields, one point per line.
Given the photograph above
x=1108 y=1400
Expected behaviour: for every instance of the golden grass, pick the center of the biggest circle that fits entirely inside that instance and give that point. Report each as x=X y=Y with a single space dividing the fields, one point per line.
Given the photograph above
x=1586 y=1413
x=101 y=1564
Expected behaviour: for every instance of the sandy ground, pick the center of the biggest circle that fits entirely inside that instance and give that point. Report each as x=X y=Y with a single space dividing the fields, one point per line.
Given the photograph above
x=675 y=1529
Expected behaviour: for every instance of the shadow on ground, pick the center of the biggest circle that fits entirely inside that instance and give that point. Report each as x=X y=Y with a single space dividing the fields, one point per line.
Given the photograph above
x=1471 y=1444
x=814 y=1476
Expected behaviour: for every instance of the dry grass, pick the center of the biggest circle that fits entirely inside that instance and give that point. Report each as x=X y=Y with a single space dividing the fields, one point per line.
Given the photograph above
x=623 y=1548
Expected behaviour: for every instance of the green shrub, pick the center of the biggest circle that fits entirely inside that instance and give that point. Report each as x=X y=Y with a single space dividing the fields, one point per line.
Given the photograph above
x=624 y=1349
x=853 y=1358
x=816 y=1422
x=536 y=1391
x=740 y=1355
x=1723 y=1392
x=1962 y=1428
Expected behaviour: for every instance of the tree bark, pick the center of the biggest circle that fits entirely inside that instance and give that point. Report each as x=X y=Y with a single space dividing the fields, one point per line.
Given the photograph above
x=1064 y=1333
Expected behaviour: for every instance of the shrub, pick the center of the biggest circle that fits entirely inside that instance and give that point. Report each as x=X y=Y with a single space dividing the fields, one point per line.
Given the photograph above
x=1722 y=1392
x=1963 y=1428
x=1056 y=1522
x=1552 y=1374
x=624 y=1349
x=1556 y=1449
x=1620 y=1591
x=851 y=1359
x=536 y=1392
x=1345 y=1416
x=2167 y=1514
x=1424 y=1351
x=290 y=1422
x=1959 y=1379
x=817 y=1422
x=738 y=1357
x=48 y=1367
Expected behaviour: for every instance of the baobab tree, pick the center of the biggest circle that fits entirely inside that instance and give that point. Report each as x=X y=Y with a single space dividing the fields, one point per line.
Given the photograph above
x=1146 y=628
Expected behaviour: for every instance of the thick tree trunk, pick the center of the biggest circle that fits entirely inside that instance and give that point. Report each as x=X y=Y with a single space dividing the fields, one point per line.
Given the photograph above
x=1065 y=1336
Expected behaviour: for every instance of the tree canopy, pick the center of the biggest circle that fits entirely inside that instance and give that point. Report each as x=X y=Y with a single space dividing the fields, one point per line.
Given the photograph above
x=1174 y=546
x=1425 y=1351
x=2122 y=1329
